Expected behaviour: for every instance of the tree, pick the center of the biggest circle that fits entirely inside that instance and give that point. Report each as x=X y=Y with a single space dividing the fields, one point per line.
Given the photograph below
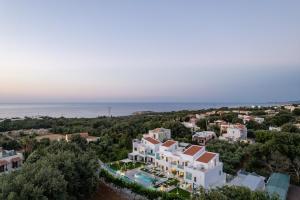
x=296 y=111
x=59 y=171
x=263 y=136
x=288 y=127
x=202 y=123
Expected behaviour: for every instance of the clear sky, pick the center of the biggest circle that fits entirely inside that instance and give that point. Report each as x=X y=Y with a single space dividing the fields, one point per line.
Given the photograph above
x=142 y=50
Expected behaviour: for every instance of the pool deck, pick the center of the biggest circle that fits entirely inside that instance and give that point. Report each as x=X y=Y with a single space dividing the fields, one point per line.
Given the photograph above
x=131 y=175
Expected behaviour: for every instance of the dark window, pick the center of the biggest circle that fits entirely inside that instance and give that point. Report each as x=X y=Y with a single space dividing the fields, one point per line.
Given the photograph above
x=2 y=168
x=14 y=164
x=195 y=179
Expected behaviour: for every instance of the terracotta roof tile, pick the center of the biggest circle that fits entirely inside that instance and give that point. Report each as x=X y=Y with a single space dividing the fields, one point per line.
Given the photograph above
x=152 y=140
x=206 y=157
x=16 y=159
x=192 y=150
x=169 y=143
x=3 y=162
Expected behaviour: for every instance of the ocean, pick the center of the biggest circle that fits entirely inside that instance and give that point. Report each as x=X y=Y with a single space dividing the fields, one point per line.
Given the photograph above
x=90 y=110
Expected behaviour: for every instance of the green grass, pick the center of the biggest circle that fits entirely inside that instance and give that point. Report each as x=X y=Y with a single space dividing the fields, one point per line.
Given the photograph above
x=182 y=193
x=125 y=166
x=171 y=181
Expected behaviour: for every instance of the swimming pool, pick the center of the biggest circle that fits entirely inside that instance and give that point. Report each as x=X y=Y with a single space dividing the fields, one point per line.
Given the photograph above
x=145 y=179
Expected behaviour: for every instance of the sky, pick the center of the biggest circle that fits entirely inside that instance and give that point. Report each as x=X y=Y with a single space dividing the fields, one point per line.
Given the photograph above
x=149 y=51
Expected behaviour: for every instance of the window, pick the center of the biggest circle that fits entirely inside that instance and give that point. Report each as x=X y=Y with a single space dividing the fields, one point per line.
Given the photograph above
x=166 y=168
x=220 y=172
x=15 y=164
x=188 y=176
x=167 y=159
x=2 y=168
x=135 y=149
x=195 y=179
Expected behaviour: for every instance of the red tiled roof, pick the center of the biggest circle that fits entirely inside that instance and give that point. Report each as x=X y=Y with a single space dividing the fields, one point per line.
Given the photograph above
x=206 y=157
x=151 y=140
x=169 y=143
x=192 y=150
x=3 y=162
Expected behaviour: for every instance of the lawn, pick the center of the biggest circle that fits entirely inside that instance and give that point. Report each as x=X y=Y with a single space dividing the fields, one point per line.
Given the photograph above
x=171 y=181
x=124 y=166
x=182 y=193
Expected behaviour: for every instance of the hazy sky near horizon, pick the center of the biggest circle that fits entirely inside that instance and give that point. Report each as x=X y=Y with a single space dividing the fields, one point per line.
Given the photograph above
x=129 y=50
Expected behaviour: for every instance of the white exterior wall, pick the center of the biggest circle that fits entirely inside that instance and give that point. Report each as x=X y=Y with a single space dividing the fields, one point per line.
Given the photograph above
x=214 y=176
x=161 y=135
x=236 y=133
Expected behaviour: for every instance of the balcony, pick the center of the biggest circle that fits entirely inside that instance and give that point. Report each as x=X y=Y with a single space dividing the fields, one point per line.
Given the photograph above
x=150 y=154
x=180 y=166
x=157 y=157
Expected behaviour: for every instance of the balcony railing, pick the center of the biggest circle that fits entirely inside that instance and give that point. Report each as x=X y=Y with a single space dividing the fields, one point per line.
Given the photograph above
x=150 y=154
x=180 y=166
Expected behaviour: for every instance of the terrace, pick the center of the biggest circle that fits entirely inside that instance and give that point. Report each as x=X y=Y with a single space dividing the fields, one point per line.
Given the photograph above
x=148 y=176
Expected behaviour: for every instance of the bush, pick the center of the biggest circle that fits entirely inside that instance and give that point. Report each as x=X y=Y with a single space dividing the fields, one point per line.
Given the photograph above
x=138 y=189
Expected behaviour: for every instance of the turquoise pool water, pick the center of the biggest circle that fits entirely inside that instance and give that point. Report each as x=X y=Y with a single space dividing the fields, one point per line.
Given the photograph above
x=145 y=179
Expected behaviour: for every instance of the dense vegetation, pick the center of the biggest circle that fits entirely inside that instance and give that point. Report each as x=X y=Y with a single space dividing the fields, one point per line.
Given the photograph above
x=59 y=171
x=229 y=193
x=232 y=155
x=53 y=164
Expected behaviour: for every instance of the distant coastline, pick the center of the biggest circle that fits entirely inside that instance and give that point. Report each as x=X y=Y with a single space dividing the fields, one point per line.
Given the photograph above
x=90 y=110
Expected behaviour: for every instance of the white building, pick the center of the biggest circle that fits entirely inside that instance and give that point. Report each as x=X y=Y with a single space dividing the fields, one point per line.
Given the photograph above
x=247 y=118
x=203 y=137
x=193 y=165
x=10 y=160
x=272 y=128
x=250 y=180
x=235 y=132
x=160 y=134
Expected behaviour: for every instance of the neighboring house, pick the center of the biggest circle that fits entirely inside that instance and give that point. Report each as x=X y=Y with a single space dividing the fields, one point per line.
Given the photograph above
x=83 y=135
x=189 y=125
x=10 y=160
x=247 y=118
x=297 y=125
x=51 y=137
x=250 y=180
x=259 y=120
x=278 y=183
x=160 y=134
x=203 y=137
x=272 y=128
x=220 y=122
x=290 y=107
x=271 y=112
x=201 y=116
x=235 y=132
x=193 y=164
x=224 y=127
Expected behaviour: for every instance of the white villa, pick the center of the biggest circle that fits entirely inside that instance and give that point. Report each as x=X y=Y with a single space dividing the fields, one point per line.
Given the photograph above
x=203 y=137
x=10 y=160
x=247 y=118
x=160 y=134
x=193 y=165
x=235 y=132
